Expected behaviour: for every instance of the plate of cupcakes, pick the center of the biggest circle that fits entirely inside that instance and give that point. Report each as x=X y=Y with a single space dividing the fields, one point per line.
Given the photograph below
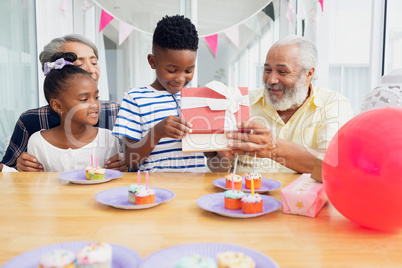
x=77 y=254
x=208 y=255
x=261 y=185
x=91 y=175
x=137 y=196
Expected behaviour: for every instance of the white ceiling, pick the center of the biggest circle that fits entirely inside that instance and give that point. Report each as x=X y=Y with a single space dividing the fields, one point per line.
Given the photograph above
x=213 y=15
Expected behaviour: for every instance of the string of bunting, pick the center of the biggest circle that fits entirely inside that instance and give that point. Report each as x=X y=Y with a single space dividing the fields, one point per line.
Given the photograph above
x=232 y=33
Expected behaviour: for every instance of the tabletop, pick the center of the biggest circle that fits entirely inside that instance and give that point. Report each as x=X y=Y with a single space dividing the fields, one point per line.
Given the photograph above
x=39 y=209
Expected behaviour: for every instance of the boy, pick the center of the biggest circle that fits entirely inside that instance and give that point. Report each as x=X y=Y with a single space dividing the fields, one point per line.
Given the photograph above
x=149 y=118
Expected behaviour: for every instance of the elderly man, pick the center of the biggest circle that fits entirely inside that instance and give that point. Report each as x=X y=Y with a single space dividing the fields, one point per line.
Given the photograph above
x=292 y=121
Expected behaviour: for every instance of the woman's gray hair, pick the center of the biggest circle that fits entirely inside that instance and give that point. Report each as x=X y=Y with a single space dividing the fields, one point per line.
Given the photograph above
x=56 y=45
x=308 y=51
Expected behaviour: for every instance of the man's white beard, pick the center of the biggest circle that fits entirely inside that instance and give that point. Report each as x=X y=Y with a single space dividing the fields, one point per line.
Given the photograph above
x=293 y=95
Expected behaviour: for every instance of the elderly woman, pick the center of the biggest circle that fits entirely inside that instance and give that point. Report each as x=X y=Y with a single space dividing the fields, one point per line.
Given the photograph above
x=44 y=117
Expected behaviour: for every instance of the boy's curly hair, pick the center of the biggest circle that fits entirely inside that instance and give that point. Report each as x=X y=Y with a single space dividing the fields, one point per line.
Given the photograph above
x=175 y=32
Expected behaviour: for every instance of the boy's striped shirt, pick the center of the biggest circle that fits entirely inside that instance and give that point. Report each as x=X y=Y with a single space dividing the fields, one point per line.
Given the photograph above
x=143 y=108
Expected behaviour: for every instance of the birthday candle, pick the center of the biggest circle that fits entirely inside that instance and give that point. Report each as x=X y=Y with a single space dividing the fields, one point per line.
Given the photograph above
x=92 y=160
x=146 y=180
x=255 y=156
x=138 y=178
x=96 y=163
x=252 y=186
x=232 y=183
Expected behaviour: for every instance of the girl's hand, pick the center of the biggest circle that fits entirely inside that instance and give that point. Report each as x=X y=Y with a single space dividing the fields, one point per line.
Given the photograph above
x=116 y=162
x=172 y=127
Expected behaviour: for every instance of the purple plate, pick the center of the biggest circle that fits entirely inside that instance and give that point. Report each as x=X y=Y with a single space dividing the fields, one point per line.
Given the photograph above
x=122 y=256
x=118 y=198
x=266 y=185
x=78 y=176
x=216 y=203
x=168 y=257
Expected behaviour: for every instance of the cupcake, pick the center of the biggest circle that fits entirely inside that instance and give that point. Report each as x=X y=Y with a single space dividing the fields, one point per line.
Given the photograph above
x=233 y=199
x=95 y=255
x=252 y=203
x=58 y=258
x=232 y=259
x=257 y=180
x=87 y=169
x=238 y=180
x=145 y=196
x=97 y=173
x=134 y=188
x=196 y=261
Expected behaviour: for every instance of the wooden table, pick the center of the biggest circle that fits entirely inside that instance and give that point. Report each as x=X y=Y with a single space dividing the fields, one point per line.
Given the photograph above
x=38 y=209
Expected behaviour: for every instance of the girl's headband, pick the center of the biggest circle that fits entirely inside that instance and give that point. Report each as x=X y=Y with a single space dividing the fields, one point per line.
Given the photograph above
x=58 y=64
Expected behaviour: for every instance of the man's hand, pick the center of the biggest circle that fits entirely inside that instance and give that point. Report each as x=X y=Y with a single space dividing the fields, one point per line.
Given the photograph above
x=116 y=162
x=28 y=163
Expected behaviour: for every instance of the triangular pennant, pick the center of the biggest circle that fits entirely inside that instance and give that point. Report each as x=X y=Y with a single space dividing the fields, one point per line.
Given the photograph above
x=269 y=11
x=254 y=24
x=233 y=34
x=63 y=6
x=212 y=42
x=289 y=13
x=322 y=5
x=124 y=31
x=104 y=20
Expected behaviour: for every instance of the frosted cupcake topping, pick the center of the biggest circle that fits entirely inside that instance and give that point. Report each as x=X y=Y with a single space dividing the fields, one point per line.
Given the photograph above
x=143 y=192
x=95 y=253
x=237 y=194
x=235 y=259
x=57 y=258
x=248 y=198
x=236 y=178
x=254 y=176
x=135 y=188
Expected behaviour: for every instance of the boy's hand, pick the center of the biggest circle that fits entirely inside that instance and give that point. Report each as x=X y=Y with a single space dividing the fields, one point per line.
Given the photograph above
x=172 y=127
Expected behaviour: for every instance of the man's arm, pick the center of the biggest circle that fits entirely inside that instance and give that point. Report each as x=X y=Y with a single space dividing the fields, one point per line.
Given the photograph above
x=219 y=161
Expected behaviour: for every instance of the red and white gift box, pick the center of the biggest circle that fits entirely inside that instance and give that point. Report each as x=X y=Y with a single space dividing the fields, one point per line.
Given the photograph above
x=212 y=110
x=304 y=196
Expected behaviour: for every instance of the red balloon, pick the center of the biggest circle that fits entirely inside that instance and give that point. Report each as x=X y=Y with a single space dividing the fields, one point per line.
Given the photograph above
x=362 y=169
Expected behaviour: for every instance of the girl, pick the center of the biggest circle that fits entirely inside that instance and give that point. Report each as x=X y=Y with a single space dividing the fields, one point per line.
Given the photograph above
x=72 y=93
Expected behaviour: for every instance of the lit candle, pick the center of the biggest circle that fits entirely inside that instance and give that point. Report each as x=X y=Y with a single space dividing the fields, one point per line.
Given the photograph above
x=252 y=186
x=146 y=180
x=138 y=178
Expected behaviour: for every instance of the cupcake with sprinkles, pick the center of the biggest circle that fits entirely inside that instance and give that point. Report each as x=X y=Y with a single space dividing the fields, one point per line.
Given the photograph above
x=256 y=177
x=233 y=199
x=231 y=259
x=196 y=261
x=134 y=188
x=57 y=258
x=145 y=195
x=237 y=179
x=95 y=255
x=252 y=203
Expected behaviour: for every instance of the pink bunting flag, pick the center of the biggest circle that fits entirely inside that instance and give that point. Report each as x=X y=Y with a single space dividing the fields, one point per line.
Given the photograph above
x=212 y=42
x=289 y=13
x=104 y=20
x=322 y=5
x=233 y=35
x=63 y=6
x=138 y=178
x=124 y=31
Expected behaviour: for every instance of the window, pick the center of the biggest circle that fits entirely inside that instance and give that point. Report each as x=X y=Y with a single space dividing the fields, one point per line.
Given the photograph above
x=18 y=63
x=393 y=36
